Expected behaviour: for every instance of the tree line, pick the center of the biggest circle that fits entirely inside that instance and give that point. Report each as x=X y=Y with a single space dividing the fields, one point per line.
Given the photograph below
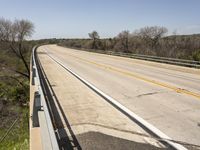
x=147 y=40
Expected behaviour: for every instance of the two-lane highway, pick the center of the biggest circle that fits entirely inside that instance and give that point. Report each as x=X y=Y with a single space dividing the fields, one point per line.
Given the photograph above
x=166 y=96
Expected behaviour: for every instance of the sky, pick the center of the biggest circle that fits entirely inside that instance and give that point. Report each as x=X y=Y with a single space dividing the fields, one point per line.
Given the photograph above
x=76 y=18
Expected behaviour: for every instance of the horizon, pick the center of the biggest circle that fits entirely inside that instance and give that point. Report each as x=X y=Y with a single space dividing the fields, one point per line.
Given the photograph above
x=75 y=19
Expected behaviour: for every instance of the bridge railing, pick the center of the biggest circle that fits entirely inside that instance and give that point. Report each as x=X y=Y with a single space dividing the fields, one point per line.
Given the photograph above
x=40 y=113
x=173 y=61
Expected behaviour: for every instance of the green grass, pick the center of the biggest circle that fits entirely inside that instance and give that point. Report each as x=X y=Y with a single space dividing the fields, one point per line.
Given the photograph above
x=18 y=137
x=14 y=97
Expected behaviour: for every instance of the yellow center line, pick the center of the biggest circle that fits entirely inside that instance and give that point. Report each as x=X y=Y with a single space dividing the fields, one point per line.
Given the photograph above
x=178 y=90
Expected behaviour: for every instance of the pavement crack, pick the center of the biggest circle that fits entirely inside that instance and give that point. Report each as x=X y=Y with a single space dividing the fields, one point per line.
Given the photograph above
x=146 y=94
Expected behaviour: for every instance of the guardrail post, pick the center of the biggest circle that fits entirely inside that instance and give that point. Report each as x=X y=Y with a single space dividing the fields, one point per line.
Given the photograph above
x=36 y=107
x=33 y=76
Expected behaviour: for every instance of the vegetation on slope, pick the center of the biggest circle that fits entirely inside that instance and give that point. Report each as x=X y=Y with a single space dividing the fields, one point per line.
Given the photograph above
x=15 y=52
x=14 y=83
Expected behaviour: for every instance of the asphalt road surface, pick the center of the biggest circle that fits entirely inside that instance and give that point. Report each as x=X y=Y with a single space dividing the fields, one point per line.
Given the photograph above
x=166 y=96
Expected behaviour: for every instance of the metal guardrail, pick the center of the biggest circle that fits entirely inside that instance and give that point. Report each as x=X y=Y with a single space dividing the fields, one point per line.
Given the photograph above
x=173 y=61
x=41 y=115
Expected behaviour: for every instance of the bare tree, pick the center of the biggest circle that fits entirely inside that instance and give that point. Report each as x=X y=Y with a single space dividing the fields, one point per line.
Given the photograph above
x=95 y=37
x=152 y=34
x=5 y=29
x=123 y=38
x=23 y=29
x=15 y=33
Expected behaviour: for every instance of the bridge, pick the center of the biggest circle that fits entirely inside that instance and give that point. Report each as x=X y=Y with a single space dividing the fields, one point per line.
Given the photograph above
x=87 y=100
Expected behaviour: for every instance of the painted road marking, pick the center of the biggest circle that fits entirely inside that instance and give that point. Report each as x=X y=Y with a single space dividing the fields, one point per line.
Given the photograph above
x=123 y=109
x=131 y=74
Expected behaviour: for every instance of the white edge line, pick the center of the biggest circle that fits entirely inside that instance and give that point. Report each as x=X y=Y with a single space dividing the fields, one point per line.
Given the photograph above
x=147 y=125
